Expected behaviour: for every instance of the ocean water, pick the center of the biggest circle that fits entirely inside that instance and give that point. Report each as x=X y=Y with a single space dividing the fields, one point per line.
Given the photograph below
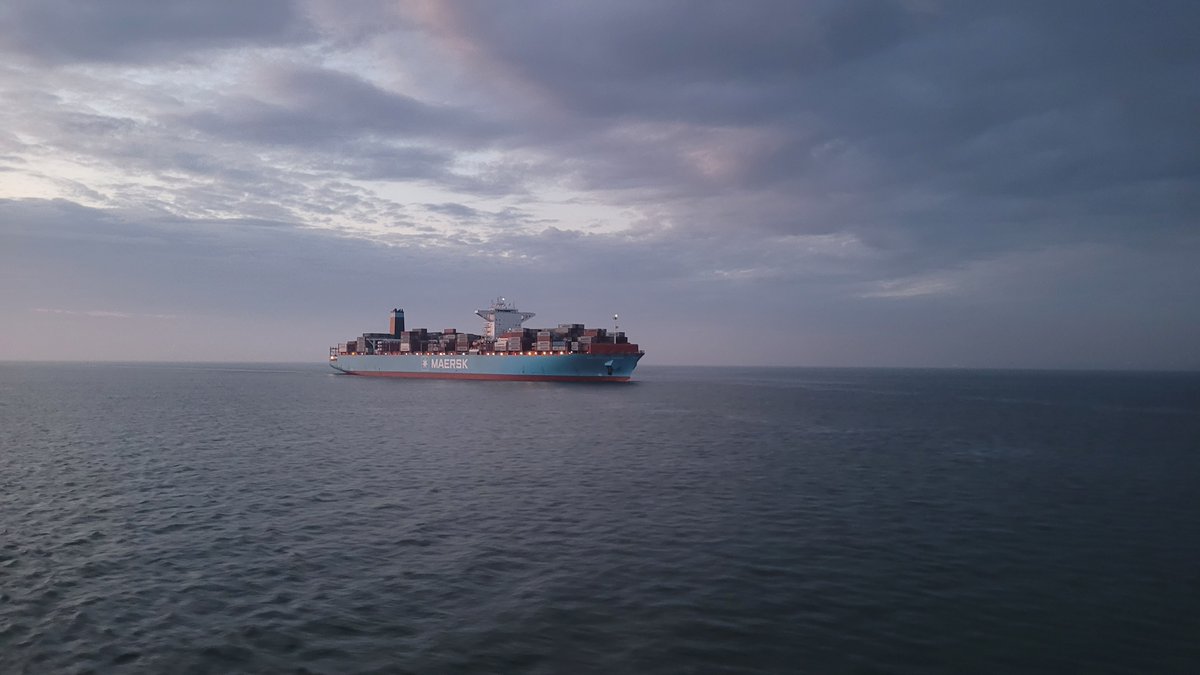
x=217 y=519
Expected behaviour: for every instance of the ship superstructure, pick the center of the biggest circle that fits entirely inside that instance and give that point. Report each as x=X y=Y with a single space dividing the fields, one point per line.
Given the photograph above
x=502 y=317
x=506 y=350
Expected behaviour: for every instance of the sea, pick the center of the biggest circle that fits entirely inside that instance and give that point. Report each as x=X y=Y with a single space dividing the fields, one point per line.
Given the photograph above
x=231 y=518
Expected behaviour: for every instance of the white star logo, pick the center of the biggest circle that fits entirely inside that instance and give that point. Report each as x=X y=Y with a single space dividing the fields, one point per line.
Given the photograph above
x=424 y=363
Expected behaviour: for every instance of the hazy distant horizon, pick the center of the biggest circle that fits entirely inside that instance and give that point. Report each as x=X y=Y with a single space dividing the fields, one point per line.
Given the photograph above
x=847 y=184
x=641 y=368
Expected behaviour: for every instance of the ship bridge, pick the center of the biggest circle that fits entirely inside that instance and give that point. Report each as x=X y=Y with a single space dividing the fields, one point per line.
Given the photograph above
x=502 y=317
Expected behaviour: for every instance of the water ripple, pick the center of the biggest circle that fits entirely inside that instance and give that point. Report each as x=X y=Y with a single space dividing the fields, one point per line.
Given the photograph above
x=275 y=519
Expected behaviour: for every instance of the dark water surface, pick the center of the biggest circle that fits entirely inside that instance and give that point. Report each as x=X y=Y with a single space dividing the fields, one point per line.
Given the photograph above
x=158 y=518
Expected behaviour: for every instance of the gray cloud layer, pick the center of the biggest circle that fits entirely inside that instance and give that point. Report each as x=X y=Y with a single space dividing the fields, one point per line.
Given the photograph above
x=143 y=30
x=870 y=182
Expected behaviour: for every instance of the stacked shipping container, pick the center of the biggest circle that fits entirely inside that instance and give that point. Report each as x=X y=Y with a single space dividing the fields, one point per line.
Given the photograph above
x=565 y=338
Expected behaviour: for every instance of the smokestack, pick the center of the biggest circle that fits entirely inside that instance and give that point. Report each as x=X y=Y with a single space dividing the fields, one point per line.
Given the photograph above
x=396 y=323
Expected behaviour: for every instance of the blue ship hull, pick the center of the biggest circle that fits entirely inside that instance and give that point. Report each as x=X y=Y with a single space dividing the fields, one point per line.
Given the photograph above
x=562 y=367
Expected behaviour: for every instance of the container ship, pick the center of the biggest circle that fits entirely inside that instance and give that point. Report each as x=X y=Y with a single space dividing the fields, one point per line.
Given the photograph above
x=505 y=350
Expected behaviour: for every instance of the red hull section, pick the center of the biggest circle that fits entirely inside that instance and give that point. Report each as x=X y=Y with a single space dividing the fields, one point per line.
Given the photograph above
x=474 y=376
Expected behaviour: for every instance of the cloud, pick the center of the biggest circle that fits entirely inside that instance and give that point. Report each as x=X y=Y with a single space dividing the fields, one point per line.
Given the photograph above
x=841 y=161
x=103 y=314
x=140 y=30
x=308 y=105
x=909 y=288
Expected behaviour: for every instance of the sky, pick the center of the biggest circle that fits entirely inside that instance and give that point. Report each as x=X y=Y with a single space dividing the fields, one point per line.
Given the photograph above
x=912 y=183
